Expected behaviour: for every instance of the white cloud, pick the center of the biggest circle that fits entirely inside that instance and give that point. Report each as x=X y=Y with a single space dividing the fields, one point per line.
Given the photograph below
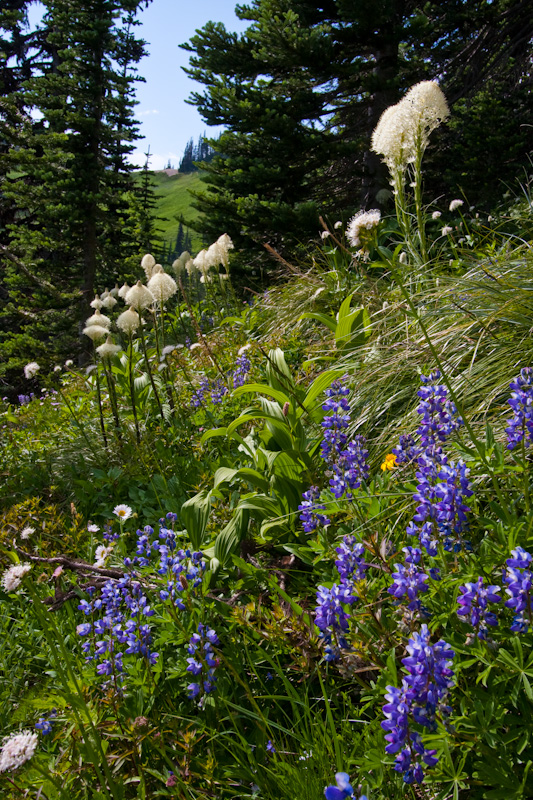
x=157 y=160
x=147 y=112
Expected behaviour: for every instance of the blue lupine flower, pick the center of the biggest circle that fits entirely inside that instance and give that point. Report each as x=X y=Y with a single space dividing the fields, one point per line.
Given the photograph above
x=351 y=563
x=519 y=580
x=270 y=747
x=409 y=581
x=203 y=661
x=342 y=790
x=310 y=519
x=331 y=618
x=244 y=366
x=44 y=724
x=198 y=397
x=521 y=401
x=218 y=391
x=474 y=600
x=438 y=412
x=422 y=694
x=407 y=450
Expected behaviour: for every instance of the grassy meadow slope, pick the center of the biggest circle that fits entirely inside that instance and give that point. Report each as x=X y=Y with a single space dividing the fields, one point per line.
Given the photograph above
x=174 y=203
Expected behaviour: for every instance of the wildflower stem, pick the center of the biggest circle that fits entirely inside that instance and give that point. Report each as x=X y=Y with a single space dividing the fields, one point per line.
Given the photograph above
x=148 y=367
x=132 y=389
x=100 y=409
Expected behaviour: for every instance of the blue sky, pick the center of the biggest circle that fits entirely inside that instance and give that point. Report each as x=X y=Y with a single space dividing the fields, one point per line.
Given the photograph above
x=166 y=121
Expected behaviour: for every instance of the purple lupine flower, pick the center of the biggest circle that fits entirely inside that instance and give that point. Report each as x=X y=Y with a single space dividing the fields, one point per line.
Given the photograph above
x=438 y=412
x=421 y=696
x=198 y=397
x=350 y=468
x=334 y=424
x=407 y=450
x=343 y=790
x=218 y=391
x=409 y=581
x=309 y=517
x=519 y=580
x=331 y=618
x=244 y=366
x=473 y=602
x=351 y=563
x=521 y=401
x=203 y=661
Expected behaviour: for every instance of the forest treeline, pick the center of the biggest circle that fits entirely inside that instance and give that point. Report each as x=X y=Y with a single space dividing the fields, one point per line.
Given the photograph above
x=298 y=92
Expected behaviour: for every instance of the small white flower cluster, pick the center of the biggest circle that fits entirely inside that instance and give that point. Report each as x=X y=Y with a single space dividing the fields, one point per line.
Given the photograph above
x=27 y=532
x=31 y=370
x=12 y=577
x=403 y=130
x=361 y=228
x=455 y=204
x=17 y=749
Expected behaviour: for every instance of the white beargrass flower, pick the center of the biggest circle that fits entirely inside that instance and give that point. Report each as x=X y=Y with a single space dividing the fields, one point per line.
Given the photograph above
x=96 y=303
x=123 y=512
x=224 y=245
x=128 y=321
x=114 y=292
x=102 y=553
x=446 y=230
x=109 y=301
x=202 y=262
x=108 y=349
x=162 y=286
x=180 y=264
x=190 y=267
x=123 y=291
x=12 y=577
x=455 y=204
x=403 y=257
x=403 y=130
x=436 y=215
x=95 y=332
x=148 y=264
x=139 y=296
x=362 y=222
x=27 y=532
x=31 y=370
x=98 y=319
x=17 y=749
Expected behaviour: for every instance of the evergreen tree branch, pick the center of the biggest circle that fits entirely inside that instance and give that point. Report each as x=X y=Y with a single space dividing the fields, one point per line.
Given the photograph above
x=43 y=284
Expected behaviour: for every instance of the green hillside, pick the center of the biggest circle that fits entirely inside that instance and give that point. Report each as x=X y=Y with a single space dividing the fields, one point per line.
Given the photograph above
x=174 y=203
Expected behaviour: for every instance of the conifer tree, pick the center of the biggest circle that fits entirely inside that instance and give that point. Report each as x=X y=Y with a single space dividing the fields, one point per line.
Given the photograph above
x=76 y=223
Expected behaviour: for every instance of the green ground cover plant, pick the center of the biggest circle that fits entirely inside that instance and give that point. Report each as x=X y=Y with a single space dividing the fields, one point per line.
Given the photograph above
x=282 y=549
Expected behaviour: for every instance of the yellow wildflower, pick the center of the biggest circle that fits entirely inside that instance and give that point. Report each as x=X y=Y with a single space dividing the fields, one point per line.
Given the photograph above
x=389 y=463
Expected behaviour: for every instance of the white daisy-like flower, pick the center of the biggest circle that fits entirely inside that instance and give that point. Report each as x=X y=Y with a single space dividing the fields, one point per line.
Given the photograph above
x=102 y=554
x=27 y=532
x=436 y=215
x=12 y=577
x=92 y=528
x=128 y=321
x=17 y=749
x=108 y=349
x=455 y=204
x=123 y=512
x=31 y=370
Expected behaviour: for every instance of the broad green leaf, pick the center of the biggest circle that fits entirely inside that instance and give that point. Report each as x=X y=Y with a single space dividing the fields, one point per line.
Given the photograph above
x=330 y=322
x=194 y=516
x=261 y=388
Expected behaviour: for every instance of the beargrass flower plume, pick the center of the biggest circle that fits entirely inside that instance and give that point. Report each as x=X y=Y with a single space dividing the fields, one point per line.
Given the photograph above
x=162 y=286
x=123 y=291
x=108 y=348
x=95 y=332
x=128 y=321
x=17 y=749
x=114 y=291
x=202 y=262
x=31 y=370
x=98 y=319
x=148 y=264
x=361 y=231
x=426 y=107
x=179 y=264
x=343 y=790
x=108 y=301
x=139 y=297
x=455 y=204
x=390 y=139
x=96 y=303
x=12 y=577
